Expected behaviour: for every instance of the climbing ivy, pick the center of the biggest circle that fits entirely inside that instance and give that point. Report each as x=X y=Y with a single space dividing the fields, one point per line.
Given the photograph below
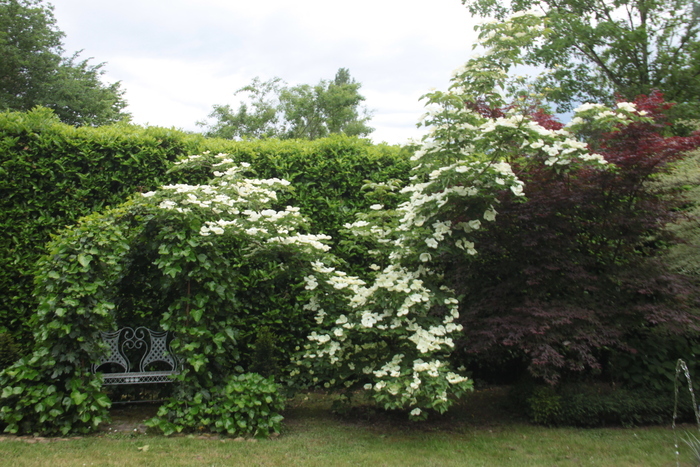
x=208 y=250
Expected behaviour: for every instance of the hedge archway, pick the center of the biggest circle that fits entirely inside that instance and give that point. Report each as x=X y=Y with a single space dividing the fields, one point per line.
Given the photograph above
x=208 y=248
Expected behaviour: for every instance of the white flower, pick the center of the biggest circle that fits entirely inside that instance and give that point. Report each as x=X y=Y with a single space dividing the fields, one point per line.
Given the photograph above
x=425 y=257
x=627 y=106
x=377 y=207
x=605 y=113
x=588 y=106
x=431 y=242
x=454 y=378
x=594 y=157
x=167 y=204
x=470 y=247
x=517 y=190
x=415 y=412
x=342 y=319
x=368 y=319
x=490 y=215
x=311 y=282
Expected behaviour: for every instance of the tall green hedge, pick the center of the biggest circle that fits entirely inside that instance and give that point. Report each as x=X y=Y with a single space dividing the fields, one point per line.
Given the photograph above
x=51 y=174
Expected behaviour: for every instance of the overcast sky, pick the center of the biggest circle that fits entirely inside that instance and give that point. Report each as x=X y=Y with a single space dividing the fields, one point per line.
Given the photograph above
x=177 y=58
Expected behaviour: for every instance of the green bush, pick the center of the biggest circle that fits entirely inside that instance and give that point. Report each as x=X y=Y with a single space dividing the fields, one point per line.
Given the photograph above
x=36 y=401
x=246 y=405
x=588 y=405
x=653 y=365
x=544 y=405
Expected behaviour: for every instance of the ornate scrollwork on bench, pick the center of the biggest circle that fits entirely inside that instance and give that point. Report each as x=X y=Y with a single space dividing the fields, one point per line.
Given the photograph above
x=151 y=349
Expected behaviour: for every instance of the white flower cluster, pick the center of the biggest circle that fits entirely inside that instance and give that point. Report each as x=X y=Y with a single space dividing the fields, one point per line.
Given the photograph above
x=599 y=111
x=313 y=241
x=260 y=224
x=239 y=206
x=391 y=368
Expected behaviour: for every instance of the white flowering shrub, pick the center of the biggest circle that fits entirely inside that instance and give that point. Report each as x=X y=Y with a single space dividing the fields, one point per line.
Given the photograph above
x=214 y=253
x=392 y=335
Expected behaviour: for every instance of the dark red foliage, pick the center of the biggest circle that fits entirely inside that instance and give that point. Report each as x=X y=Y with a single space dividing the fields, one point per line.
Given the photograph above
x=483 y=109
x=572 y=270
x=545 y=119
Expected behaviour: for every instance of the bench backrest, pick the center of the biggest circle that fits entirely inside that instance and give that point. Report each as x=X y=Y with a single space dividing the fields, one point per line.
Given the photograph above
x=134 y=353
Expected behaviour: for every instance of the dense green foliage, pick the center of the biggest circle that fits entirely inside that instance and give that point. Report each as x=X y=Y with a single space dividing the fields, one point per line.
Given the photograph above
x=34 y=71
x=653 y=364
x=297 y=112
x=685 y=176
x=265 y=355
x=52 y=174
x=600 y=49
x=142 y=263
x=201 y=274
x=9 y=350
x=52 y=390
x=515 y=236
x=599 y=405
x=246 y=404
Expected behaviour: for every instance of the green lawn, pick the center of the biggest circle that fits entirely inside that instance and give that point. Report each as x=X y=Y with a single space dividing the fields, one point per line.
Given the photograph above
x=484 y=435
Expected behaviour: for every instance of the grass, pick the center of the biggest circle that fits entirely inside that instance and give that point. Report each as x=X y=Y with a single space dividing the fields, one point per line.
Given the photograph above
x=477 y=433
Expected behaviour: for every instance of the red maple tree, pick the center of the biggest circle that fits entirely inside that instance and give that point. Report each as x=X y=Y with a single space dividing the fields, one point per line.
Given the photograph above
x=575 y=268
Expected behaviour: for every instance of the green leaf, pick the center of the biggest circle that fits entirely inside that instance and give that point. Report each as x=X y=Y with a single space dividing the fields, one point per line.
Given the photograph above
x=84 y=260
x=78 y=397
x=196 y=314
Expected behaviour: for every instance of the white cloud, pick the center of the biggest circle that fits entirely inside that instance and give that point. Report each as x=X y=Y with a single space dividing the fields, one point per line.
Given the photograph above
x=176 y=58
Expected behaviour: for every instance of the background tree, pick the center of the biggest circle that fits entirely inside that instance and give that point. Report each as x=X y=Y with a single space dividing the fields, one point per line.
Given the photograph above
x=34 y=72
x=298 y=112
x=258 y=119
x=601 y=49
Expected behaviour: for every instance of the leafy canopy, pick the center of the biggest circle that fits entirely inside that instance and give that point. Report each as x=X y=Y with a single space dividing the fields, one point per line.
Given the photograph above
x=297 y=112
x=600 y=49
x=34 y=71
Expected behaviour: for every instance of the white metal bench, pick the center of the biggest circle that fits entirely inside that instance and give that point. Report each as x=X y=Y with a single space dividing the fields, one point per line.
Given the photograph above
x=151 y=349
